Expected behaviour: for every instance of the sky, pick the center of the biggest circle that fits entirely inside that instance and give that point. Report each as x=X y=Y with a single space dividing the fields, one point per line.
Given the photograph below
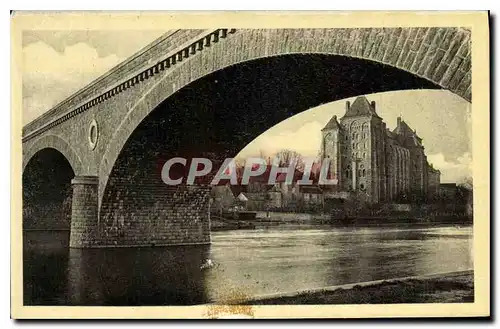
x=59 y=63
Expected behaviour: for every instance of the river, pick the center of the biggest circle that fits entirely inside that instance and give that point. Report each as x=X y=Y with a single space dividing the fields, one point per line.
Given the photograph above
x=248 y=262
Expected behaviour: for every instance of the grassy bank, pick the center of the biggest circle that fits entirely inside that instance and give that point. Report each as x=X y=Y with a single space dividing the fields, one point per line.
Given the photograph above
x=444 y=288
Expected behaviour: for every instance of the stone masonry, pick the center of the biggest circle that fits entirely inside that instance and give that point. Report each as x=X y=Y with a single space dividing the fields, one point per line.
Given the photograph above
x=84 y=212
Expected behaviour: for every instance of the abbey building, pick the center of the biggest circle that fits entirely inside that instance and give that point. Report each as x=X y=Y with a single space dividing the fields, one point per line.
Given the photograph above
x=366 y=156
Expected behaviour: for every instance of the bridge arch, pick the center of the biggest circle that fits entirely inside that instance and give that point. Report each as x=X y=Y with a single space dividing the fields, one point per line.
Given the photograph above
x=438 y=55
x=49 y=165
x=135 y=205
x=47 y=192
x=58 y=144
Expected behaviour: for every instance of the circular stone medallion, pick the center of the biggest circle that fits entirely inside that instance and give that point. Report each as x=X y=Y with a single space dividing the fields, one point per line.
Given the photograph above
x=93 y=134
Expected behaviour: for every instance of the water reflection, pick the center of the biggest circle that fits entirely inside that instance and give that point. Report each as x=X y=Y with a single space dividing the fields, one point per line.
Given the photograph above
x=252 y=262
x=115 y=276
x=45 y=264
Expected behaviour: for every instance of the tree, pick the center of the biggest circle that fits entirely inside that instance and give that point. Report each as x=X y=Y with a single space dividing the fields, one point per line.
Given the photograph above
x=286 y=157
x=466 y=183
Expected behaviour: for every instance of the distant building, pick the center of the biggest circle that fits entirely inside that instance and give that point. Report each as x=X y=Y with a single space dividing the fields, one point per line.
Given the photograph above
x=367 y=157
x=448 y=192
x=311 y=195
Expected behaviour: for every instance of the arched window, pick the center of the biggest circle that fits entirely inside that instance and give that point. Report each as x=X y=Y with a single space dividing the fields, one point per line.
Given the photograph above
x=359 y=173
x=364 y=173
x=347 y=173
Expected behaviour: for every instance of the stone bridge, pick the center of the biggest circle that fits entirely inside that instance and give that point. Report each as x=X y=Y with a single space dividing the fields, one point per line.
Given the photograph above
x=92 y=163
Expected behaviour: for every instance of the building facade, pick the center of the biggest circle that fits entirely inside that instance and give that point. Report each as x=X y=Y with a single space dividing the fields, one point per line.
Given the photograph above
x=367 y=157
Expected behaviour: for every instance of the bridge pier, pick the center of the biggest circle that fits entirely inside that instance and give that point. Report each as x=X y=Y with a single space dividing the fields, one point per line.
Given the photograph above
x=84 y=212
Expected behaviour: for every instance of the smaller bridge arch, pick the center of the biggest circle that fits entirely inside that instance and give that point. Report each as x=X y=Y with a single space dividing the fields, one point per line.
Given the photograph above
x=49 y=166
x=59 y=144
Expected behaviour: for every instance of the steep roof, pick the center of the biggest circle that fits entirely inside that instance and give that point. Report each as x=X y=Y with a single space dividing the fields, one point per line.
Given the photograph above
x=360 y=107
x=332 y=124
x=242 y=197
x=416 y=141
x=310 y=189
x=407 y=135
x=402 y=128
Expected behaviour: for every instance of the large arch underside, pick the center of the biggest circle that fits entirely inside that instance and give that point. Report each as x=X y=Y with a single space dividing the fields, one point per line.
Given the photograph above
x=216 y=117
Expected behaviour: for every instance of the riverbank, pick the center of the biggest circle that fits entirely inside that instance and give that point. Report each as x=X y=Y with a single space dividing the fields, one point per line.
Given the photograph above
x=455 y=287
x=273 y=219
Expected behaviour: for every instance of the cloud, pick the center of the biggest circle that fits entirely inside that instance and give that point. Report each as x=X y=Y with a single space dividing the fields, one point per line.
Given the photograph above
x=452 y=171
x=77 y=59
x=50 y=76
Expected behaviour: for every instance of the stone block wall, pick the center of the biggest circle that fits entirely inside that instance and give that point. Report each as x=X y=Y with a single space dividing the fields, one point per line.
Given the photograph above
x=149 y=215
x=47 y=216
x=84 y=212
x=139 y=209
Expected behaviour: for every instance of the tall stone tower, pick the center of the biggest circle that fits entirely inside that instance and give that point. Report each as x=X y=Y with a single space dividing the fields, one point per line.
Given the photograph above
x=364 y=149
x=369 y=159
x=331 y=147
